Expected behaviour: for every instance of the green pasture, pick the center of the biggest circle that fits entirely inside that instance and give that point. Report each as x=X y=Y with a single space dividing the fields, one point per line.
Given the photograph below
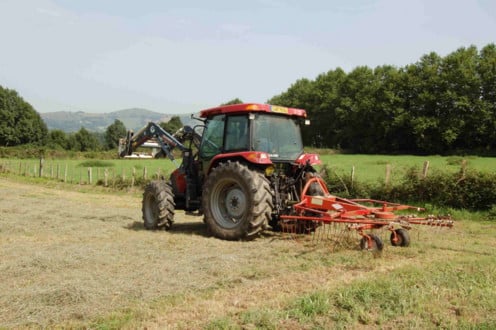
x=76 y=170
x=372 y=168
x=367 y=168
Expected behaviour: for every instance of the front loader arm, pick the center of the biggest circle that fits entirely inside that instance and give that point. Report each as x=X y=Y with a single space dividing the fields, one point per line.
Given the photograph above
x=165 y=141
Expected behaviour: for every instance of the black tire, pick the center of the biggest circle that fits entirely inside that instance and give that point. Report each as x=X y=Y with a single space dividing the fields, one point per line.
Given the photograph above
x=376 y=243
x=236 y=201
x=158 y=205
x=402 y=237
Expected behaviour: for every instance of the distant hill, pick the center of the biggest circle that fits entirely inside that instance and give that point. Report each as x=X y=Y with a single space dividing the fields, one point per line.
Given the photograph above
x=98 y=122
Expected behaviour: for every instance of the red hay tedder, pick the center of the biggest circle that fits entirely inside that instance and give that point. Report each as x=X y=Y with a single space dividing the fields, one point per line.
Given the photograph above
x=324 y=208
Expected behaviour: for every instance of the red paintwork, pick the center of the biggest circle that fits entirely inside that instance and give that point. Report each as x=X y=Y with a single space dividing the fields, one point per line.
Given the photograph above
x=254 y=157
x=252 y=107
x=332 y=209
x=179 y=179
x=314 y=159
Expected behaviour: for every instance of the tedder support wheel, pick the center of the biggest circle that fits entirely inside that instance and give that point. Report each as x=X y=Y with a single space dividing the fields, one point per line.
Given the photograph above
x=400 y=237
x=237 y=201
x=374 y=244
x=158 y=205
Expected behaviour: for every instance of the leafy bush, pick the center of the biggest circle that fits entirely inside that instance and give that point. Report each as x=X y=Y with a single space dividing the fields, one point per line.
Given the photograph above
x=473 y=190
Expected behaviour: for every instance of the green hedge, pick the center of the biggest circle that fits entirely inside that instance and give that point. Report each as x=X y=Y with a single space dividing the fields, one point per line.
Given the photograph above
x=472 y=190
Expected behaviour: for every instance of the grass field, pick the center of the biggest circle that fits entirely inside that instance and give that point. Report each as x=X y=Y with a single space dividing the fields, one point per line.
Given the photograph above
x=368 y=168
x=77 y=169
x=82 y=260
x=372 y=168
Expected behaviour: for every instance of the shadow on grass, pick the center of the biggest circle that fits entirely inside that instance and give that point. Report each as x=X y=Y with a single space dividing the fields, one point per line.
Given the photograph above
x=189 y=228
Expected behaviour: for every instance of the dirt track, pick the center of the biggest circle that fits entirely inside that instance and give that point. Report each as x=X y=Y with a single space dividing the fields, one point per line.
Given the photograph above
x=69 y=258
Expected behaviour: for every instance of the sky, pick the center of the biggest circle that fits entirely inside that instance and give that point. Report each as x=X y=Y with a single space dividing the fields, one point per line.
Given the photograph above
x=181 y=56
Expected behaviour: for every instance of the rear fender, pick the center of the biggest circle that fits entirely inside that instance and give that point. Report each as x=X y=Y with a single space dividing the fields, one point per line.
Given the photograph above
x=252 y=157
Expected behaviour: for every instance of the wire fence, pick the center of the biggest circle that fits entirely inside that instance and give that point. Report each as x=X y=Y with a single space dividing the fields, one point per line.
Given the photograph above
x=72 y=173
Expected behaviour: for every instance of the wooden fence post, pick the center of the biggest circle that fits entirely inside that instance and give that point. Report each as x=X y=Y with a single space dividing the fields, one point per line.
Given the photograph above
x=352 y=176
x=133 y=177
x=388 y=175
x=145 y=173
x=90 y=176
x=42 y=160
x=105 y=177
x=425 y=170
x=65 y=173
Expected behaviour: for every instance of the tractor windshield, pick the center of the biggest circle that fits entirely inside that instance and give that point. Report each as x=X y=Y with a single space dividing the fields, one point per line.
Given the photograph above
x=277 y=135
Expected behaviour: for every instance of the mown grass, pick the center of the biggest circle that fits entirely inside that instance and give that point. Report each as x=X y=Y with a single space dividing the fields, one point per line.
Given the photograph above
x=453 y=286
x=444 y=280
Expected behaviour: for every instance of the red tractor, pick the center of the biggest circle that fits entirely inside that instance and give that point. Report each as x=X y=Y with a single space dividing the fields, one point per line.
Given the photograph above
x=243 y=168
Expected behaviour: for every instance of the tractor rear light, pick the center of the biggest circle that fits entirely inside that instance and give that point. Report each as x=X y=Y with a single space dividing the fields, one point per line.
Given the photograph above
x=313 y=159
x=257 y=157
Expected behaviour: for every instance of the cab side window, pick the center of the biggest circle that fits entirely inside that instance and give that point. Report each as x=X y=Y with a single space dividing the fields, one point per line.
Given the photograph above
x=237 y=133
x=211 y=144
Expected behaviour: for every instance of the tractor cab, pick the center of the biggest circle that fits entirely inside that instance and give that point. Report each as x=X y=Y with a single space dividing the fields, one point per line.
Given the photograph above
x=257 y=133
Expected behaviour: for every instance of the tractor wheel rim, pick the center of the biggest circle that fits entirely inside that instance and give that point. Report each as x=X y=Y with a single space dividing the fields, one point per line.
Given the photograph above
x=151 y=209
x=228 y=203
x=235 y=202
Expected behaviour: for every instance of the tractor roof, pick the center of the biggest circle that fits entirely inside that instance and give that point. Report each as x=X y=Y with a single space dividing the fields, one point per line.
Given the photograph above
x=252 y=107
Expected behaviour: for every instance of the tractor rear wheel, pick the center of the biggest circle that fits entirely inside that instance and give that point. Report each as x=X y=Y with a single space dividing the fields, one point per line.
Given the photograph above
x=237 y=201
x=158 y=205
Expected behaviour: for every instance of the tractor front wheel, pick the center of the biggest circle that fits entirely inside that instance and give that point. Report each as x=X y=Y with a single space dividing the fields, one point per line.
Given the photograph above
x=158 y=205
x=236 y=201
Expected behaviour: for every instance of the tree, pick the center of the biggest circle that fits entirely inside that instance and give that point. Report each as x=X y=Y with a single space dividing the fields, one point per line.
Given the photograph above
x=19 y=122
x=113 y=133
x=83 y=140
x=57 y=139
x=485 y=135
x=233 y=101
x=172 y=125
x=436 y=105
